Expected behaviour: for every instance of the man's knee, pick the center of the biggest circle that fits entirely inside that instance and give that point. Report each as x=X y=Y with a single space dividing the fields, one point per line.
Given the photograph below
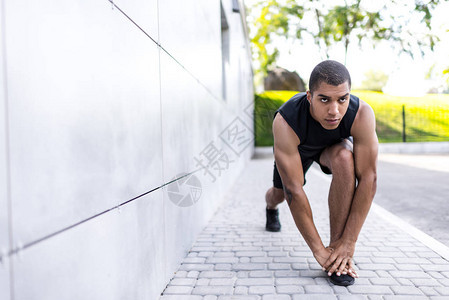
x=342 y=159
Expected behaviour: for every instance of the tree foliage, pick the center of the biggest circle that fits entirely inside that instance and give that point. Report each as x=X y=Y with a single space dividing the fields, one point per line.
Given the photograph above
x=330 y=24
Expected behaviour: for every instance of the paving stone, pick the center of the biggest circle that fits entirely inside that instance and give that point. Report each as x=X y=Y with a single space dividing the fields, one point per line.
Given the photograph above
x=180 y=297
x=436 y=275
x=406 y=290
x=210 y=297
x=223 y=254
x=419 y=261
x=277 y=253
x=246 y=248
x=276 y=297
x=215 y=290
x=389 y=254
x=443 y=290
x=222 y=260
x=222 y=281
x=404 y=281
x=217 y=274
x=177 y=289
x=287 y=259
x=223 y=267
x=241 y=290
x=239 y=297
x=383 y=281
x=290 y=289
x=202 y=281
x=409 y=267
x=242 y=274
x=244 y=260
x=340 y=290
x=183 y=281
x=300 y=266
x=352 y=297
x=407 y=297
x=261 y=289
x=248 y=266
x=196 y=267
x=425 y=282
x=437 y=268
x=428 y=291
x=318 y=289
x=386 y=267
x=383 y=274
x=193 y=274
x=429 y=254
x=315 y=297
x=444 y=282
x=265 y=260
x=379 y=260
x=276 y=266
x=321 y=281
x=409 y=274
x=255 y=281
x=312 y=273
x=261 y=274
x=286 y=273
x=370 y=289
x=250 y=253
x=294 y=281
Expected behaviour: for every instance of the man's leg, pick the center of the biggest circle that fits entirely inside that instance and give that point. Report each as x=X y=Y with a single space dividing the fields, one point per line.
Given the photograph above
x=340 y=160
x=273 y=197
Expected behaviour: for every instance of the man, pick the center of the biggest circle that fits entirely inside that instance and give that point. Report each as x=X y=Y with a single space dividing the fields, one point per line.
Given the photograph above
x=330 y=126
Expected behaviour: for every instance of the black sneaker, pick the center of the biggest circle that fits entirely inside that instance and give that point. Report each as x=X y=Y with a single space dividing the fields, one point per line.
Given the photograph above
x=273 y=223
x=343 y=279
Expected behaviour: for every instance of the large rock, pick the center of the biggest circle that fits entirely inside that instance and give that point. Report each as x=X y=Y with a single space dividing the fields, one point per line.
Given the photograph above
x=281 y=79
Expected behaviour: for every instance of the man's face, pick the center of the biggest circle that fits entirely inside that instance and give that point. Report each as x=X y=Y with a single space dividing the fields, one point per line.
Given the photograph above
x=329 y=103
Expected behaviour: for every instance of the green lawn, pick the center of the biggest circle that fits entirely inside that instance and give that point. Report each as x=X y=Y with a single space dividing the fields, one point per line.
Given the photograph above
x=426 y=118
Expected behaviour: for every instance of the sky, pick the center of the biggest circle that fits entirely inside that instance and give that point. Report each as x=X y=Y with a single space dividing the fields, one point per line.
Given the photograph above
x=407 y=76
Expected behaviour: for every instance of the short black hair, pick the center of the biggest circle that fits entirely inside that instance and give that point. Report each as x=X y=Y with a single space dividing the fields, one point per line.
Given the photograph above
x=330 y=72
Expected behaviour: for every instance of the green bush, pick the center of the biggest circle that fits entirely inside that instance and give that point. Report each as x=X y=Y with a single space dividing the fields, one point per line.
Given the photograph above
x=427 y=117
x=265 y=106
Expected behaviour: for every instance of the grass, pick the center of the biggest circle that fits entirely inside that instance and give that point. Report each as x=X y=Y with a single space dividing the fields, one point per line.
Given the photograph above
x=426 y=118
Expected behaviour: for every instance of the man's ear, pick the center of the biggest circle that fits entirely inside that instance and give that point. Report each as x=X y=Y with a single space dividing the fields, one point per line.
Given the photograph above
x=309 y=96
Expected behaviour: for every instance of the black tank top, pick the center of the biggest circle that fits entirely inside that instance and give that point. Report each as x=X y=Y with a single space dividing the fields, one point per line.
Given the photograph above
x=312 y=136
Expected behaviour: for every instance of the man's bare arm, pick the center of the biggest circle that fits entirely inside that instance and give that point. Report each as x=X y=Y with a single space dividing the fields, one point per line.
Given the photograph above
x=288 y=162
x=365 y=156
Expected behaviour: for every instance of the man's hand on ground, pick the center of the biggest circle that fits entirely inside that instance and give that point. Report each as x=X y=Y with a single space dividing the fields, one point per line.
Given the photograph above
x=340 y=261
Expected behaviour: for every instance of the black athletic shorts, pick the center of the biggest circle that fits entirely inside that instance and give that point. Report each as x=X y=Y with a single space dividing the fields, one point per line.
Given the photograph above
x=306 y=163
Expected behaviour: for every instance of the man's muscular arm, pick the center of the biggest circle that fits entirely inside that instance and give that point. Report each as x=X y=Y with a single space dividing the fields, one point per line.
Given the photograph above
x=288 y=162
x=365 y=157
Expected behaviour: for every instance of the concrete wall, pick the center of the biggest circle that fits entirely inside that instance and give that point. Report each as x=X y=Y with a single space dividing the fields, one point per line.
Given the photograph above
x=104 y=107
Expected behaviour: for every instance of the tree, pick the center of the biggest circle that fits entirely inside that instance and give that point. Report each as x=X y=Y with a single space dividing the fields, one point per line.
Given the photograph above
x=336 y=24
x=374 y=80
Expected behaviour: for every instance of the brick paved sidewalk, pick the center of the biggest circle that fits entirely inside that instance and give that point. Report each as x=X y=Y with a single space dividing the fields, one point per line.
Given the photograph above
x=235 y=258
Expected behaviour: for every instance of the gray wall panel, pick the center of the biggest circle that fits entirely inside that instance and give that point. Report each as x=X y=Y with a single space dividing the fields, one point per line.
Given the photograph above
x=4 y=220
x=142 y=12
x=84 y=95
x=114 y=256
x=190 y=31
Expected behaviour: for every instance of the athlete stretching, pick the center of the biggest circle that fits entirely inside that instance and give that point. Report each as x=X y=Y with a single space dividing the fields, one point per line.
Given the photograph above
x=330 y=126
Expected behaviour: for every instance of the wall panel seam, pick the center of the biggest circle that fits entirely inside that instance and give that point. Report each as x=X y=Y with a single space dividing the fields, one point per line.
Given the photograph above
x=167 y=52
